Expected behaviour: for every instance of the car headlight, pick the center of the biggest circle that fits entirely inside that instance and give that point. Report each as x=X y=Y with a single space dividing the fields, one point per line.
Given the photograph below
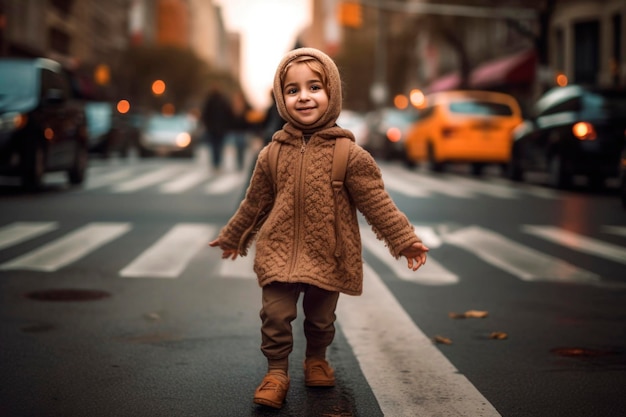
x=183 y=139
x=12 y=121
x=584 y=131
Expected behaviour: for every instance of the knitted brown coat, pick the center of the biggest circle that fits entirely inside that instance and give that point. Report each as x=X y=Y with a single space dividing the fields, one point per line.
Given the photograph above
x=297 y=243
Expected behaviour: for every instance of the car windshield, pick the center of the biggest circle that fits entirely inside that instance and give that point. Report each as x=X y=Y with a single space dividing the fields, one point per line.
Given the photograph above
x=399 y=118
x=611 y=102
x=17 y=80
x=169 y=123
x=485 y=108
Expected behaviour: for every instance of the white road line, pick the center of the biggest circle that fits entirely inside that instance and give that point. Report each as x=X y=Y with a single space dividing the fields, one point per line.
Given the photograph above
x=69 y=248
x=242 y=267
x=578 y=242
x=226 y=183
x=615 y=230
x=428 y=236
x=185 y=182
x=408 y=375
x=169 y=256
x=434 y=185
x=519 y=260
x=409 y=189
x=148 y=179
x=109 y=178
x=483 y=187
x=18 y=232
x=433 y=273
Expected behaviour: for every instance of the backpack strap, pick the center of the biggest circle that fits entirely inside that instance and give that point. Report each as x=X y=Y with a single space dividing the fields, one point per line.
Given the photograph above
x=340 y=163
x=338 y=174
x=274 y=149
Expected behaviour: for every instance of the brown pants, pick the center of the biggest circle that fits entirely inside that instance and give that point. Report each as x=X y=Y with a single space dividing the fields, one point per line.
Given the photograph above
x=280 y=309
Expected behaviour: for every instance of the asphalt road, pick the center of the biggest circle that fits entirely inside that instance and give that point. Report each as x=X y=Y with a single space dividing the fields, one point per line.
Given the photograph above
x=111 y=304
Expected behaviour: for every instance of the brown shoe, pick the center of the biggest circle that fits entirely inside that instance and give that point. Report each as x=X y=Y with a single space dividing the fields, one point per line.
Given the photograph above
x=273 y=390
x=317 y=373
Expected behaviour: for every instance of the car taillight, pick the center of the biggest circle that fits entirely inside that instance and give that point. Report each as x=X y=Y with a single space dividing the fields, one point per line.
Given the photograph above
x=394 y=134
x=584 y=131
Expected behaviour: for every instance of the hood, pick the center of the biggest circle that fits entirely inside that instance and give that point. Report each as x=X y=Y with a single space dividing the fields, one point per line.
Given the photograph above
x=333 y=89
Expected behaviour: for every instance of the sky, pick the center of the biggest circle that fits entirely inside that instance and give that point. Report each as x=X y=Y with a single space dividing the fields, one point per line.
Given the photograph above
x=268 y=30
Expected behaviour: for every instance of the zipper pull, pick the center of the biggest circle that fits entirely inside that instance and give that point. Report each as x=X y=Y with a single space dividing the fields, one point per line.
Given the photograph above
x=303 y=148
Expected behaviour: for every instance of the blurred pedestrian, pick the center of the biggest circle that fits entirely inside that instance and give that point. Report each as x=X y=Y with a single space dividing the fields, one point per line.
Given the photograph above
x=216 y=116
x=239 y=127
x=310 y=242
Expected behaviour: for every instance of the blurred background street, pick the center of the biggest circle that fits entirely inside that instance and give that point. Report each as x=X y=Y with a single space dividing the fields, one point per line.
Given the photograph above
x=129 y=129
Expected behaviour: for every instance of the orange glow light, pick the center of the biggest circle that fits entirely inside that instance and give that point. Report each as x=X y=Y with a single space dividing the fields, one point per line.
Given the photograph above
x=561 y=80
x=48 y=133
x=168 y=109
x=158 y=87
x=123 y=106
x=394 y=134
x=401 y=101
x=418 y=99
x=584 y=131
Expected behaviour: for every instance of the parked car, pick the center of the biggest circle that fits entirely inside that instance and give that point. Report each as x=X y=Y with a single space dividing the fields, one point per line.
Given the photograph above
x=168 y=135
x=354 y=122
x=42 y=123
x=470 y=126
x=574 y=130
x=386 y=132
x=110 y=131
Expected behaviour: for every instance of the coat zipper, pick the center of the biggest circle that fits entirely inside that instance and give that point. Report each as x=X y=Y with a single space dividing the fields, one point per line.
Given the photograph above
x=299 y=191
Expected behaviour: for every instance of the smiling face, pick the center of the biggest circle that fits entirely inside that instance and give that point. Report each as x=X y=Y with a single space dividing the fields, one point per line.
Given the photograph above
x=304 y=92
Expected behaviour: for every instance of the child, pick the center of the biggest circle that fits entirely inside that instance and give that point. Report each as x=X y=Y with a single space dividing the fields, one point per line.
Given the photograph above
x=300 y=247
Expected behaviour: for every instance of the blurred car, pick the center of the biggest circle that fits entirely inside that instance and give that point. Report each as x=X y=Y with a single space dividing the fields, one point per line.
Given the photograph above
x=470 y=126
x=574 y=130
x=386 y=132
x=109 y=131
x=42 y=123
x=168 y=135
x=354 y=122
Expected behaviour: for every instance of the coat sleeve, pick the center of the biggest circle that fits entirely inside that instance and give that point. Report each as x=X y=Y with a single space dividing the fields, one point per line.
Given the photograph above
x=365 y=185
x=258 y=199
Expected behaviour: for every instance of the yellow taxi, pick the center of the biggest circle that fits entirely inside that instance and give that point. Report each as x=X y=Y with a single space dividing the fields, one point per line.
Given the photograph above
x=463 y=127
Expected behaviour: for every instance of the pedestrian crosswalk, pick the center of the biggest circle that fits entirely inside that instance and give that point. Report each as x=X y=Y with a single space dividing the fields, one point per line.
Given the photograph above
x=198 y=177
x=53 y=246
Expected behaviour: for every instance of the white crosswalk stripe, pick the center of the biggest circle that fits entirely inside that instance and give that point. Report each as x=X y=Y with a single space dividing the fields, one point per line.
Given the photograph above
x=19 y=232
x=226 y=183
x=70 y=248
x=433 y=273
x=171 y=254
x=523 y=262
x=578 y=242
x=148 y=179
x=615 y=230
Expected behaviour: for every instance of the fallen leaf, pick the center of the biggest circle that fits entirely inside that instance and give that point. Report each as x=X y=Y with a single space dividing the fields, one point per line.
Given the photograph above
x=442 y=340
x=498 y=335
x=474 y=314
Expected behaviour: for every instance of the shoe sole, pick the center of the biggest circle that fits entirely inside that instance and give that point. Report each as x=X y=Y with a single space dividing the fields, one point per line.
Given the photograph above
x=267 y=403
x=327 y=384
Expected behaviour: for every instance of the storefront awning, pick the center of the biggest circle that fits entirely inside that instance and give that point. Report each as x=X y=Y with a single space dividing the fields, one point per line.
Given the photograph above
x=513 y=69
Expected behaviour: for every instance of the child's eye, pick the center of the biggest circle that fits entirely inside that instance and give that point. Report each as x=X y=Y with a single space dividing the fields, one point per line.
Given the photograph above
x=316 y=87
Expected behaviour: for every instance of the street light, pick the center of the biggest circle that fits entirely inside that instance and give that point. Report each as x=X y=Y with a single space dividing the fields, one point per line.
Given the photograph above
x=158 y=87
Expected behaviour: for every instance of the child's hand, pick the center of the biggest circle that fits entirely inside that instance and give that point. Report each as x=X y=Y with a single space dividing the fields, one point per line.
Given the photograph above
x=226 y=253
x=416 y=255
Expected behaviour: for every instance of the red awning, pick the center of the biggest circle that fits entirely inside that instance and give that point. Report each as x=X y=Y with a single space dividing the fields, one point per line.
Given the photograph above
x=447 y=82
x=513 y=69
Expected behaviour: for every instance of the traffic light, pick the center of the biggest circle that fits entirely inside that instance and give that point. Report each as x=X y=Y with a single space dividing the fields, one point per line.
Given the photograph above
x=350 y=14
